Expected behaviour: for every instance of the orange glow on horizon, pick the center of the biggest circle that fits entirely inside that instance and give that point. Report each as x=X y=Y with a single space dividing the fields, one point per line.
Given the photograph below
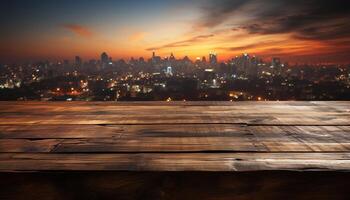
x=137 y=44
x=126 y=29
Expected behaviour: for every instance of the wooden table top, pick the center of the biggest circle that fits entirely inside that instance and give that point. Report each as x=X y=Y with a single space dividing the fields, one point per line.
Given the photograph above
x=174 y=136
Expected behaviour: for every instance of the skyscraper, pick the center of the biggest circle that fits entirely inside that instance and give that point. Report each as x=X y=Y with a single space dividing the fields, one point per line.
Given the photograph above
x=104 y=58
x=172 y=57
x=204 y=60
x=78 y=61
x=277 y=66
x=156 y=60
x=213 y=60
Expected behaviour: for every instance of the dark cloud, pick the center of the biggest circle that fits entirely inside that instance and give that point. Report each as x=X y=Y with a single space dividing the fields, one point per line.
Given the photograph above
x=244 y=48
x=182 y=43
x=304 y=19
x=249 y=46
x=217 y=12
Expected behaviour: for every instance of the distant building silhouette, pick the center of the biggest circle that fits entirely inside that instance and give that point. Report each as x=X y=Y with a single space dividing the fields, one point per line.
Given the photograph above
x=104 y=58
x=213 y=59
x=78 y=61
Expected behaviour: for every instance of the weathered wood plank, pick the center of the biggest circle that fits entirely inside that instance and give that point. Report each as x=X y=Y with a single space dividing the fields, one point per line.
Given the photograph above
x=88 y=108
x=208 y=136
x=191 y=103
x=182 y=130
x=108 y=131
x=28 y=145
x=167 y=145
x=176 y=162
x=178 y=138
x=239 y=118
x=62 y=131
x=254 y=113
x=303 y=138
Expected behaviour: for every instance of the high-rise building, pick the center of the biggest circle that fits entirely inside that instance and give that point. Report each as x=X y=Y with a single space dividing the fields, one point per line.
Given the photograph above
x=156 y=60
x=172 y=57
x=213 y=59
x=169 y=71
x=209 y=78
x=276 y=65
x=104 y=58
x=276 y=61
x=78 y=61
x=245 y=65
x=204 y=60
x=66 y=63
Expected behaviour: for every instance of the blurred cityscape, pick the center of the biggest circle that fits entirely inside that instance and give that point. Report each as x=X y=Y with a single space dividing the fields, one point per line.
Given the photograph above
x=244 y=77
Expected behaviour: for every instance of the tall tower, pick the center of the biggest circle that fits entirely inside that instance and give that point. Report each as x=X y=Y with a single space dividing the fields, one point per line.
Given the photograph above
x=213 y=59
x=78 y=61
x=204 y=60
x=172 y=57
x=104 y=58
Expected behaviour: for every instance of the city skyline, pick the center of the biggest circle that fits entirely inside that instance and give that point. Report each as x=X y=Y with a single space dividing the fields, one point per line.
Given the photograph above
x=299 y=31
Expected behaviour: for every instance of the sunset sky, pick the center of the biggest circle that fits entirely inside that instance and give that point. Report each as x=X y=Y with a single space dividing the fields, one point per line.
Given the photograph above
x=297 y=31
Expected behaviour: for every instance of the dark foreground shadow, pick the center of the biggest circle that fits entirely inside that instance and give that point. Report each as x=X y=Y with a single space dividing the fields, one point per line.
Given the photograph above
x=175 y=185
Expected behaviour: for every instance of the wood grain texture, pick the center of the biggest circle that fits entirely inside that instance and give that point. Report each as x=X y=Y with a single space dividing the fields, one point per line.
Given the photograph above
x=175 y=162
x=175 y=136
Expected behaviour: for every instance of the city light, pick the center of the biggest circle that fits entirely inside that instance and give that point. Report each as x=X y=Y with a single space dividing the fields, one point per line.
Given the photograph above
x=175 y=99
x=241 y=78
